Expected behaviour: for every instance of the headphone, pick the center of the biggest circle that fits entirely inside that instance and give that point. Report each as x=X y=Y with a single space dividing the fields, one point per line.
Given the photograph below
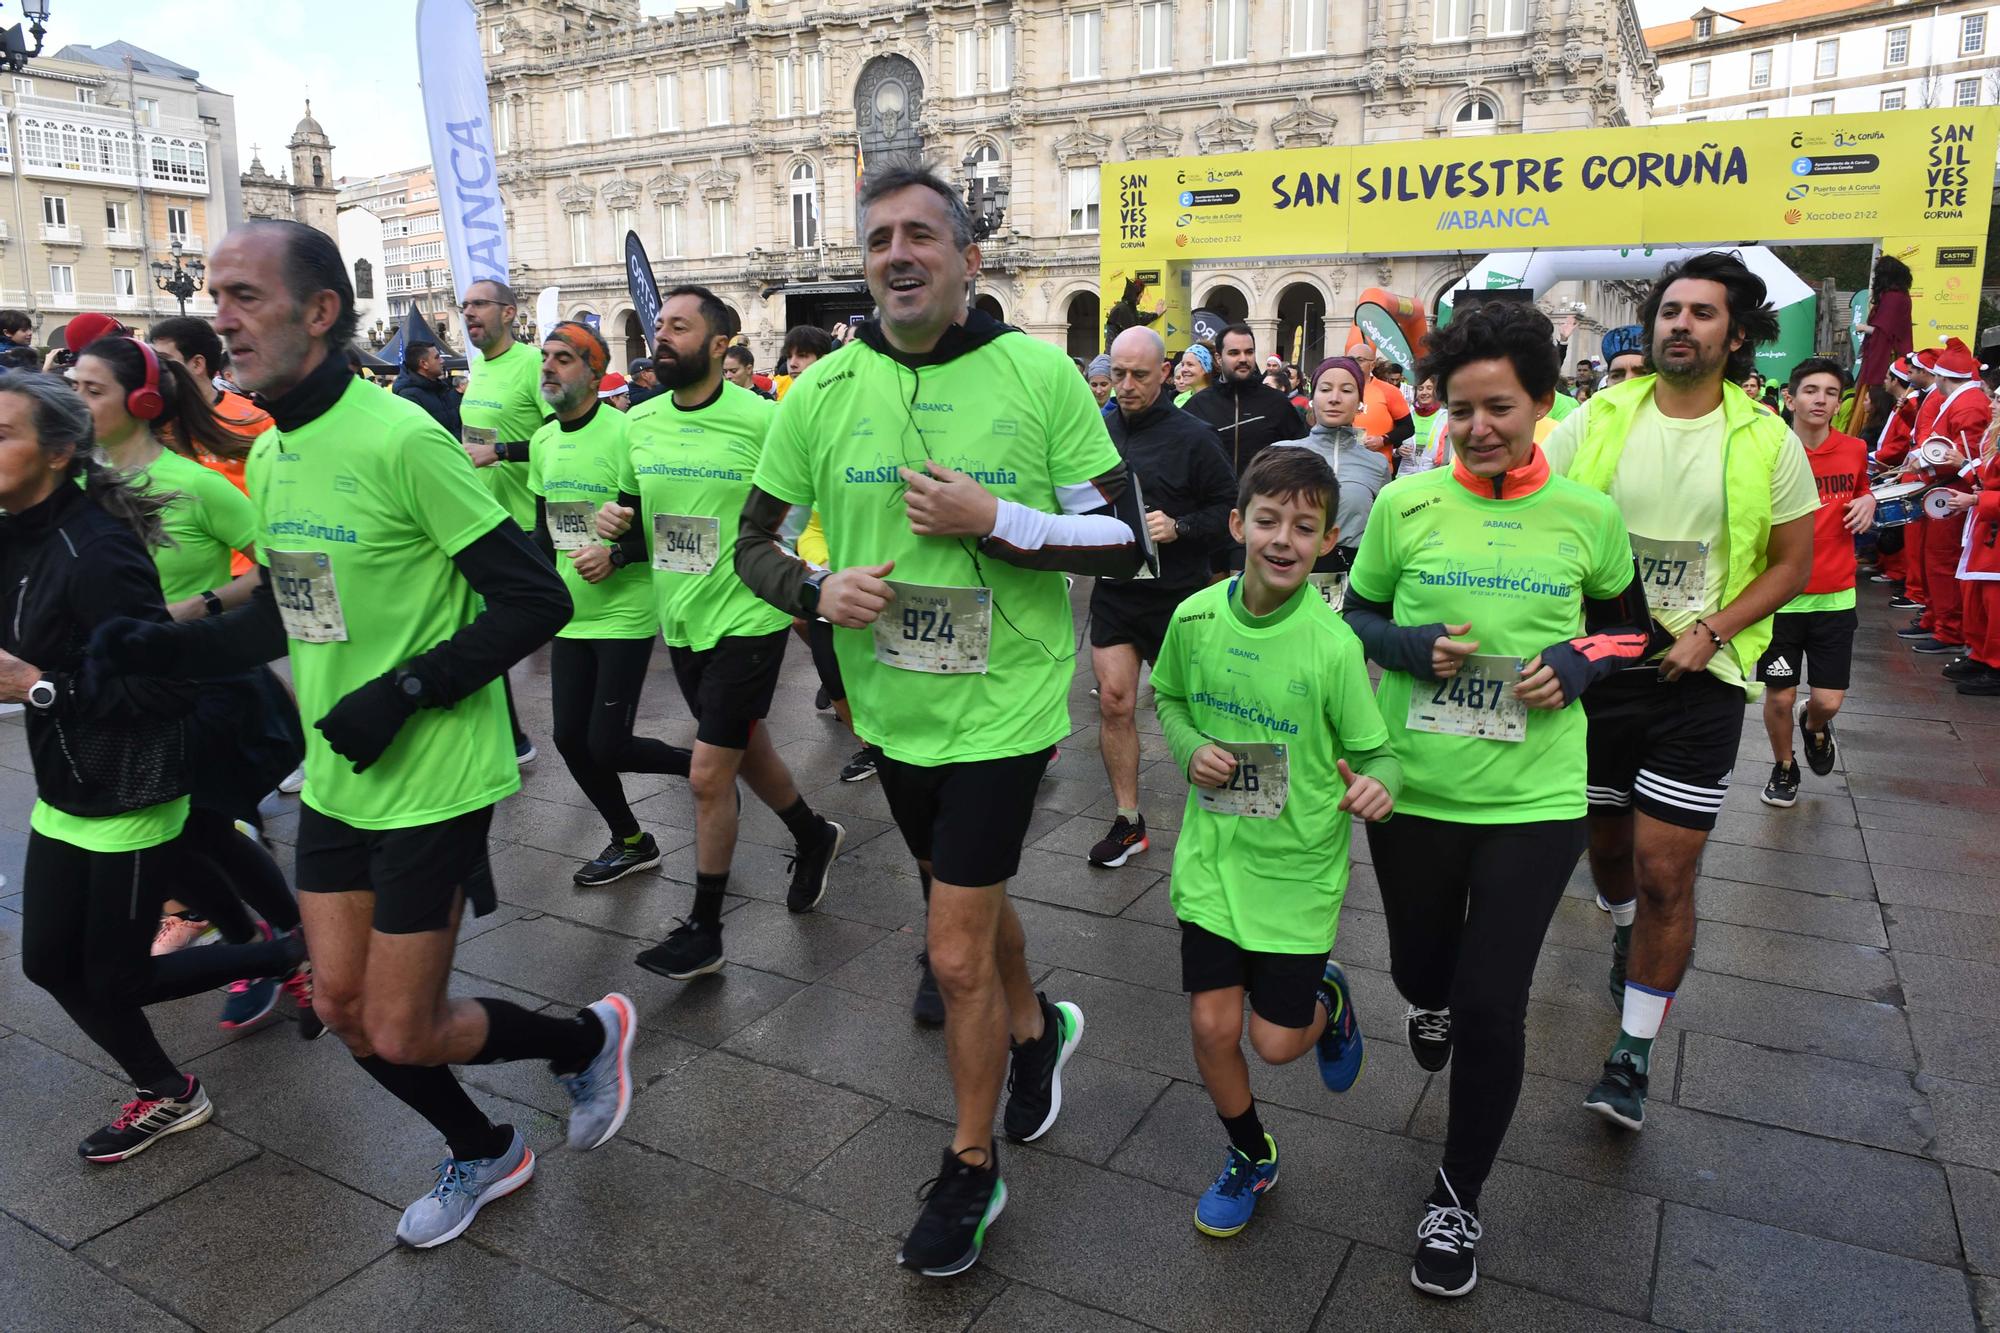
x=145 y=401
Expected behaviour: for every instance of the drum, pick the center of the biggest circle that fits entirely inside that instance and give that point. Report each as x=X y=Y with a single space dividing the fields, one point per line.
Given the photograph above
x=1900 y=504
x=1937 y=503
x=1935 y=453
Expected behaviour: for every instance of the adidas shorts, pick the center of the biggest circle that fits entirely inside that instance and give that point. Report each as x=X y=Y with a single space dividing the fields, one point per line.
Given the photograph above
x=1810 y=648
x=1662 y=747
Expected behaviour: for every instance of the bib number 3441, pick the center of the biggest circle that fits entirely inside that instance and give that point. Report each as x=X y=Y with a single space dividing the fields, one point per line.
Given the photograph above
x=940 y=631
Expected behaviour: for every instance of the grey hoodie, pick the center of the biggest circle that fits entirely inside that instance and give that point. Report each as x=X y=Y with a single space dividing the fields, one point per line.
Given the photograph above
x=1361 y=471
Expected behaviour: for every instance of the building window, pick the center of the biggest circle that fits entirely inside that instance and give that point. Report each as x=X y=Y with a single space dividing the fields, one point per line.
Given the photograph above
x=149 y=112
x=1704 y=26
x=87 y=96
x=55 y=210
x=177 y=226
x=718 y=227
x=985 y=173
x=965 y=61
x=117 y=216
x=1971 y=38
x=573 y=115
x=579 y=239
x=1892 y=99
x=1454 y=20
x=1826 y=59
x=1822 y=106
x=1085 y=50
x=1966 y=93
x=24 y=87
x=670 y=233
x=1760 y=69
x=62 y=279
x=124 y=282
x=1082 y=200
x=1000 y=54
x=805 y=207
x=1698 y=79
x=667 y=97
x=503 y=126
x=1757 y=113
x=1896 y=48
x=1308 y=27
x=1232 y=31
x=1156 y=37
x=815 y=83
x=622 y=221
x=621 y=109
x=1477 y=116
x=715 y=85
x=1507 y=17
x=784 y=77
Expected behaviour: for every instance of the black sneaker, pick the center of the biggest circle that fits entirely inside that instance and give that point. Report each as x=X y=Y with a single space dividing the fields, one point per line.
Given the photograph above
x=689 y=950
x=928 y=1007
x=1620 y=1096
x=1783 y=788
x=1125 y=841
x=1914 y=630
x=960 y=1202
x=1034 y=1077
x=1986 y=684
x=1444 y=1264
x=810 y=867
x=1936 y=646
x=147 y=1118
x=860 y=768
x=822 y=700
x=1965 y=668
x=1429 y=1032
x=1902 y=603
x=1821 y=752
x=617 y=861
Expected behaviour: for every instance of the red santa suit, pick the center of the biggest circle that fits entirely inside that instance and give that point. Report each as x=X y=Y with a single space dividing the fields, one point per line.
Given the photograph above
x=1893 y=448
x=1979 y=569
x=1962 y=416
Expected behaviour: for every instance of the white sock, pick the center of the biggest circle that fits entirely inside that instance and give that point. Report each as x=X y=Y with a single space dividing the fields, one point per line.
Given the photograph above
x=1622 y=914
x=1645 y=1010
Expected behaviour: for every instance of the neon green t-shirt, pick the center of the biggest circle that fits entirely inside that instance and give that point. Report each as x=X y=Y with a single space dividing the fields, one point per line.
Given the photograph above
x=504 y=394
x=133 y=831
x=1014 y=414
x=693 y=465
x=1294 y=678
x=362 y=510
x=208 y=523
x=580 y=467
x=1517 y=571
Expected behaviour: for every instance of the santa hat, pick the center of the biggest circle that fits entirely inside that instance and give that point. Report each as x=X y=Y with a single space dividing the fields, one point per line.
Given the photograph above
x=1956 y=361
x=1900 y=368
x=87 y=328
x=611 y=386
x=1927 y=358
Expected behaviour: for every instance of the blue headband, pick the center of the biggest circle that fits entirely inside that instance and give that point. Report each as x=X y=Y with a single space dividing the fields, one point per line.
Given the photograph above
x=1202 y=354
x=1625 y=340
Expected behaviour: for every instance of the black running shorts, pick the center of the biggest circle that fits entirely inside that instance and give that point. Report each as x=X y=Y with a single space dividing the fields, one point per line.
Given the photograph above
x=1664 y=747
x=968 y=820
x=1283 y=987
x=728 y=688
x=1810 y=647
x=416 y=874
x=1135 y=613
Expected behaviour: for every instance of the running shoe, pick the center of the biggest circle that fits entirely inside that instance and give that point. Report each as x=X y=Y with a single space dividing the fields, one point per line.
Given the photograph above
x=822 y=700
x=1620 y=1096
x=148 y=1117
x=178 y=930
x=293 y=782
x=1880 y=578
x=1935 y=646
x=1444 y=1263
x=811 y=867
x=928 y=1007
x=462 y=1189
x=1125 y=841
x=860 y=768
x=960 y=1203
x=1429 y=1031
x=299 y=986
x=1225 y=1207
x=248 y=1001
x=618 y=860
x=1783 y=788
x=1986 y=684
x=1339 y=1047
x=1821 y=751
x=1902 y=603
x=601 y=1092
x=689 y=950
x=525 y=753
x=1034 y=1078
x=1914 y=630
x=1965 y=668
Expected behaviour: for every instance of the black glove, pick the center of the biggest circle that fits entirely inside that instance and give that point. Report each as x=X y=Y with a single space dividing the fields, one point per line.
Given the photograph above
x=361 y=726
x=135 y=647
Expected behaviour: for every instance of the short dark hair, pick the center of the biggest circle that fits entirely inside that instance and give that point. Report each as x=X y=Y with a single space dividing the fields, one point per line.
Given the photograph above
x=191 y=337
x=808 y=338
x=14 y=321
x=414 y=354
x=1818 y=365
x=891 y=179
x=313 y=265
x=1238 y=329
x=1289 y=473
x=507 y=296
x=1511 y=330
x=721 y=320
x=740 y=354
x=1751 y=315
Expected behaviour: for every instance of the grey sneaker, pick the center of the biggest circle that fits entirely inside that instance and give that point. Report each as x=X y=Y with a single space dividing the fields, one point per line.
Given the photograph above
x=601 y=1092
x=462 y=1189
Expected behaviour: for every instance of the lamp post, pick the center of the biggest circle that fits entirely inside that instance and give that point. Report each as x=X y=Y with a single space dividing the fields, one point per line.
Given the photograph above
x=14 y=52
x=180 y=279
x=985 y=198
x=379 y=333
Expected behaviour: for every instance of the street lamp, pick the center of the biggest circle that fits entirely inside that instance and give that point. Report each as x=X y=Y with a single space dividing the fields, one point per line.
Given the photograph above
x=380 y=333
x=985 y=198
x=14 y=52
x=180 y=279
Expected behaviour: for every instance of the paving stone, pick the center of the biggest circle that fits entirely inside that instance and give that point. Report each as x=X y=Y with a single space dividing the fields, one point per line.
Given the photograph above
x=1932 y=851
x=1968 y=1121
x=1374 y=1295
x=852 y=1041
x=1986 y=1301
x=452 y=1289
x=1025 y=1309
x=1952 y=984
x=1757 y=1011
x=1155 y=906
x=1069 y=881
x=1975 y=1195
x=10 y=932
x=176 y=1252
x=1937 y=889
x=1761 y=865
x=1956 y=1046
x=1825 y=915
x=1145 y=955
x=1833 y=1098
x=804 y=947
x=1800 y=961
x=1952 y=934
x=642 y=906
x=1942 y=821
x=1723 y=1273
x=1781 y=832
x=577 y=834
x=45 y=1289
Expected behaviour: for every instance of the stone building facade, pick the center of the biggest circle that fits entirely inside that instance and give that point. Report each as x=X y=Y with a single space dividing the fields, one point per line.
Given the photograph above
x=309 y=194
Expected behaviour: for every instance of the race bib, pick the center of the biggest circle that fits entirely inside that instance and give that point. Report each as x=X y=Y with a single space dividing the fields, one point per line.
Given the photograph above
x=943 y=631
x=685 y=543
x=307 y=601
x=1674 y=574
x=1256 y=789
x=485 y=435
x=1478 y=701
x=1332 y=588
x=572 y=524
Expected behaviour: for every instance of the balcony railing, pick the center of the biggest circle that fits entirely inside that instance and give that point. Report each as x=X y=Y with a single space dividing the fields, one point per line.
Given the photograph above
x=56 y=300
x=120 y=239
x=62 y=235
x=187 y=241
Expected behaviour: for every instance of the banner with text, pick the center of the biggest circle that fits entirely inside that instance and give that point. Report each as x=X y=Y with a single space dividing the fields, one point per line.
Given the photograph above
x=453 y=76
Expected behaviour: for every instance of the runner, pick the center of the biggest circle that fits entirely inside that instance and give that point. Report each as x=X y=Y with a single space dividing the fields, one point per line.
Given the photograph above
x=1193 y=372
x=1275 y=770
x=684 y=479
x=597 y=664
x=1188 y=490
x=1360 y=471
x=1624 y=354
x=1492 y=595
x=968 y=460
x=1384 y=414
x=1719 y=498
x=1812 y=636
x=1246 y=413
x=402 y=600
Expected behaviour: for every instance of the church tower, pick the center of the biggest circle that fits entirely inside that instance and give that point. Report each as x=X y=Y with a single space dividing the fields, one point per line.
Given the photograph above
x=314 y=195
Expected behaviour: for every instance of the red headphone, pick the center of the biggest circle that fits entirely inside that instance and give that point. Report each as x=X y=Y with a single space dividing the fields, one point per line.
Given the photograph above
x=145 y=401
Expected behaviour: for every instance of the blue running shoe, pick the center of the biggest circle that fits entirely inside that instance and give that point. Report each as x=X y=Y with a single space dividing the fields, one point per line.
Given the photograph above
x=1226 y=1208
x=462 y=1189
x=601 y=1092
x=248 y=1001
x=1339 y=1047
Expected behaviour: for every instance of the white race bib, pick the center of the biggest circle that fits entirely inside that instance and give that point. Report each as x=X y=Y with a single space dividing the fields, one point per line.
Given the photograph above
x=1258 y=786
x=1332 y=588
x=943 y=631
x=307 y=601
x=1674 y=574
x=485 y=435
x=685 y=543
x=1478 y=701
x=572 y=524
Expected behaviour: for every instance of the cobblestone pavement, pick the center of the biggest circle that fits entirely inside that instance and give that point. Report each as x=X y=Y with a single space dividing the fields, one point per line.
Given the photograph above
x=1821 y=1150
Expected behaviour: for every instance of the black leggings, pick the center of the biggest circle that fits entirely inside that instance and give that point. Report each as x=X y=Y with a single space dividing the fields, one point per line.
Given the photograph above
x=819 y=638
x=1468 y=905
x=87 y=927
x=596 y=685
x=228 y=872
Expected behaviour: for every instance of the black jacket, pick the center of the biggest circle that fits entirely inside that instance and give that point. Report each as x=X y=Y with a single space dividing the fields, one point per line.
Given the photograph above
x=1246 y=416
x=1182 y=473
x=109 y=744
x=436 y=397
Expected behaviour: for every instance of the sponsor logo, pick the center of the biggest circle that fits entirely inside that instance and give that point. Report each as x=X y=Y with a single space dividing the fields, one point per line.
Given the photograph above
x=1487 y=219
x=1798 y=192
x=1957 y=256
x=1502 y=523
x=1418 y=508
x=828 y=381
x=1193 y=616
x=1793 y=217
x=1250 y=713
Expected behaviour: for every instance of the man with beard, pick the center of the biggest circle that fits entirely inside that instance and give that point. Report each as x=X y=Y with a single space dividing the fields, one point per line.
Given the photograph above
x=1718 y=495
x=1246 y=413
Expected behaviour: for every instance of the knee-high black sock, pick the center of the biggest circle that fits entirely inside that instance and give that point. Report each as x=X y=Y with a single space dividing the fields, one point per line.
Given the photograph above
x=801 y=822
x=433 y=1092
x=1246 y=1131
x=514 y=1033
x=708 y=891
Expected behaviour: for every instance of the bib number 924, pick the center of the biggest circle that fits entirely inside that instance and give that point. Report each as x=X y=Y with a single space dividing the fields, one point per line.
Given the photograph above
x=922 y=625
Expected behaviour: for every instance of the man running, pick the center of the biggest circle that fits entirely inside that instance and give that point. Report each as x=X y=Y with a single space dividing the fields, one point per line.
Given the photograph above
x=969 y=461
x=402 y=592
x=1719 y=498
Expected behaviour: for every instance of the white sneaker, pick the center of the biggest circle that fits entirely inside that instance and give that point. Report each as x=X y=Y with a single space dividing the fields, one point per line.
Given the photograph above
x=293 y=781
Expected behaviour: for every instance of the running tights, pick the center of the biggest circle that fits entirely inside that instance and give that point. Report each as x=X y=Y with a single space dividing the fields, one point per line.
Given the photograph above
x=595 y=685
x=228 y=872
x=1468 y=905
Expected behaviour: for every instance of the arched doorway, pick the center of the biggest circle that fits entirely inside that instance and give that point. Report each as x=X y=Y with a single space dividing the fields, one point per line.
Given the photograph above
x=1226 y=301
x=636 y=344
x=989 y=304
x=1086 y=330
x=1302 y=324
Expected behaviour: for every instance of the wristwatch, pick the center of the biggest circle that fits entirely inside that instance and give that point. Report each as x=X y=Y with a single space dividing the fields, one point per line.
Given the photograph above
x=1180 y=529
x=211 y=601
x=411 y=686
x=809 y=591
x=618 y=560
x=42 y=694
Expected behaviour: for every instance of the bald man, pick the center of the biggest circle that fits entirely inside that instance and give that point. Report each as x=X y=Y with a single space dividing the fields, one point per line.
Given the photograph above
x=1188 y=488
